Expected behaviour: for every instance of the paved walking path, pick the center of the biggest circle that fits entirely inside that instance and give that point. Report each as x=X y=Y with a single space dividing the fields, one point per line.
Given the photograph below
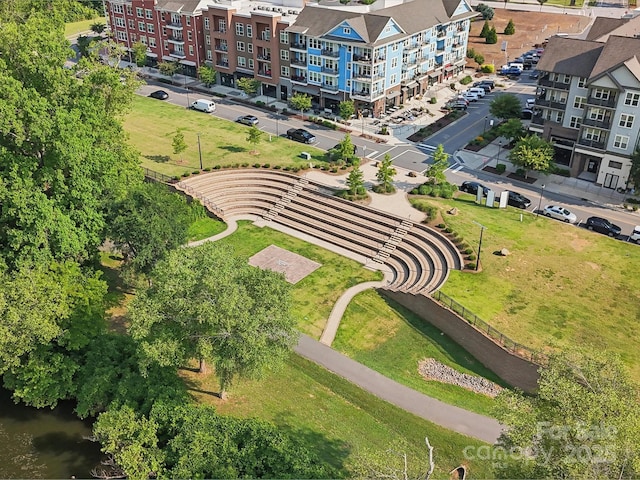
x=450 y=417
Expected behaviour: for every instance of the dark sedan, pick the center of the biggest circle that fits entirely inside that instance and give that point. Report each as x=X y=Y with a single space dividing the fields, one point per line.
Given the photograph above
x=159 y=95
x=517 y=200
x=472 y=188
x=602 y=225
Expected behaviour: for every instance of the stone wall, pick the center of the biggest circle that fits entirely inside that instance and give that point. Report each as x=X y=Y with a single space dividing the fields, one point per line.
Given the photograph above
x=514 y=370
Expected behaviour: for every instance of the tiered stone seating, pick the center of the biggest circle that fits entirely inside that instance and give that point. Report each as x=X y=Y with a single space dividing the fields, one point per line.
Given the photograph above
x=419 y=257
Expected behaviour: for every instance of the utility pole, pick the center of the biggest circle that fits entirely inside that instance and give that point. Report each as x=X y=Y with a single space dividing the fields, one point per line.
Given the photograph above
x=200 y=152
x=482 y=227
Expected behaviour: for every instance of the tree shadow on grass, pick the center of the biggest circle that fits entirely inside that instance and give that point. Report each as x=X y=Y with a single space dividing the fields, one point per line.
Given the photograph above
x=233 y=148
x=158 y=158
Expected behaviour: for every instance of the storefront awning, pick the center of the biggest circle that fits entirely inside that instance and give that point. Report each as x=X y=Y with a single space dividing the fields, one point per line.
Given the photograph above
x=393 y=94
x=167 y=58
x=309 y=90
x=434 y=75
x=448 y=69
x=152 y=55
x=188 y=63
x=412 y=84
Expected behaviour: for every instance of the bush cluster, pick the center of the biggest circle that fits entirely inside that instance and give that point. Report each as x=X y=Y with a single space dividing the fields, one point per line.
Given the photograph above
x=442 y=190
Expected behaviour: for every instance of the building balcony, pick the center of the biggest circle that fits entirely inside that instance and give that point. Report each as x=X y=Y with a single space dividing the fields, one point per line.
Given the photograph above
x=604 y=124
x=222 y=64
x=362 y=59
x=330 y=71
x=602 y=102
x=330 y=53
x=177 y=54
x=363 y=76
x=379 y=59
x=328 y=87
x=542 y=102
x=411 y=48
x=545 y=82
x=299 y=63
x=175 y=40
x=174 y=25
x=361 y=95
x=537 y=120
x=265 y=73
x=221 y=47
x=298 y=46
x=264 y=37
x=596 y=144
x=441 y=34
x=298 y=79
x=264 y=58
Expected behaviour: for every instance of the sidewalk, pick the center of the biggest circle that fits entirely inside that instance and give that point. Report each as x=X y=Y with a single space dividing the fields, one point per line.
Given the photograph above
x=570 y=186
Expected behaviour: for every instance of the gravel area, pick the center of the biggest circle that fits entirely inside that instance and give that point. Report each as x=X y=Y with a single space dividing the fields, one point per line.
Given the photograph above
x=431 y=369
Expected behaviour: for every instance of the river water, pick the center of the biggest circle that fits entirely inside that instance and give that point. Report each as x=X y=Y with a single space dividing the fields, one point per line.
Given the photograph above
x=44 y=443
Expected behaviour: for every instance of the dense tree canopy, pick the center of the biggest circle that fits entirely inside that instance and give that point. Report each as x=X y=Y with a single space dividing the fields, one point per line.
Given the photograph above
x=505 y=106
x=533 y=153
x=206 y=303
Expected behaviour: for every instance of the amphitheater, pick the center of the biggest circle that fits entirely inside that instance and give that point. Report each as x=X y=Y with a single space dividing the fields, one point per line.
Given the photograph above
x=415 y=258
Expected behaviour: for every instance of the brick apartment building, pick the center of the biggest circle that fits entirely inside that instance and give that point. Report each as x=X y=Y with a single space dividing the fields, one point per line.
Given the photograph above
x=588 y=100
x=378 y=55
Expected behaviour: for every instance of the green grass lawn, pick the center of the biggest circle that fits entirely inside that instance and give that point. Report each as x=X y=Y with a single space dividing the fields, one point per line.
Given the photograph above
x=314 y=295
x=75 y=28
x=337 y=418
x=152 y=124
x=560 y=286
x=392 y=340
x=204 y=228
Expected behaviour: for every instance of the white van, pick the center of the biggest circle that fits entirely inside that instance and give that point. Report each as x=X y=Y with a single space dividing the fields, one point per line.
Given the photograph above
x=204 y=105
x=480 y=92
x=635 y=235
x=519 y=66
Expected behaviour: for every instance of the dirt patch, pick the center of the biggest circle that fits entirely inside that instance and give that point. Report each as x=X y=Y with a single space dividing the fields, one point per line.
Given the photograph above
x=593 y=266
x=531 y=28
x=579 y=244
x=520 y=178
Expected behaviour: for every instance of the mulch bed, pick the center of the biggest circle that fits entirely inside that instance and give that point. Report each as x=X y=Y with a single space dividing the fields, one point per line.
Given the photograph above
x=474 y=148
x=434 y=127
x=492 y=170
x=520 y=178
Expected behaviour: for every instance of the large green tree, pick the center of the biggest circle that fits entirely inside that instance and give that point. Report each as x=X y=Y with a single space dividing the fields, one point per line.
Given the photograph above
x=63 y=154
x=532 y=153
x=344 y=152
x=208 y=304
x=355 y=182
x=634 y=174
x=207 y=75
x=506 y=106
x=347 y=108
x=301 y=101
x=439 y=165
x=149 y=222
x=386 y=172
x=248 y=85
x=584 y=421
x=254 y=137
x=512 y=129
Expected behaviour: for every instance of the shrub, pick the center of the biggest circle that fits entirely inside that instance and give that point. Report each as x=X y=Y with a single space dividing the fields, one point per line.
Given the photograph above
x=520 y=172
x=186 y=174
x=441 y=225
x=632 y=200
x=433 y=100
x=245 y=164
x=468 y=251
x=448 y=230
x=235 y=165
x=277 y=167
x=510 y=29
x=334 y=170
x=492 y=36
x=256 y=165
x=471 y=265
x=260 y=103
x=266 y=165
x=471 y=53
x=176 y=178
x=287 y=168
x=501 y=168
x=195 y=172
x=565 y=172
x=486 y=11
x=464 y=245
x=471 y=256
x=216 y=167
x=489 y=68
x=295 y=169
x=207 y=169
x=466 y=80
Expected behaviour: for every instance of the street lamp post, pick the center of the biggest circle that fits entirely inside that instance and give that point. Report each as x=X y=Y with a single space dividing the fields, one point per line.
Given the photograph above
x=499 y=151
x=540 y=201
x=277 y=124
x=200 y=152
x=482 y=227
x=485 y=124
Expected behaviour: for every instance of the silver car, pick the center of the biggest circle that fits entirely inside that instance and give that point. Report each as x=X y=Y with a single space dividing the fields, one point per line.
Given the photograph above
x=560 y=213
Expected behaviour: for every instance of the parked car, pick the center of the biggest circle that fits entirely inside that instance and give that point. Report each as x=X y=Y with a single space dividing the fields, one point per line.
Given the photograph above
x=485 y=86
x=513 y=71
x=300 y=135
x=250 y=120
x=491 y=83
x=472 y=97
x=204 y=105
x=517 y=200
x=480 y=92
x=461 y=98
x=635 y=235
x=527 y=114
x=530 y=102
x=534 y=74
x=456 y=105
x=472 y=188
x=560 y=213
x=602 y=225
x=159 y=95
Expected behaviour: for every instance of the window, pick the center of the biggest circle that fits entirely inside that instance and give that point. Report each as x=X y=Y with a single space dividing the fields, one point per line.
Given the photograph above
x=315 y=60
x=209 y=55
x=143 y=39
x=119 y=22
x=139 y=12
x=164 y=31
x=150 y=28
x=141 y=27
x=575 y=122
x=315 y=77
x=131 y=24
x=118 y=9
x=614 y=164
x=166 y=45
x=188 y=20
x=249 y=30
x=394 y=79
x=122 y=36
x=284 y=71
x=596 y=114
x=242 y=62
x=284 y=54
x=133 y=38
x=240 y=29
x=284 y=37
x=578 y=102
x=207 y=39
x=591 y=134
x=189 y=35
x=250 y=47
x=206 y=23
x=129 y=10
x=190 y=49
x=603 y=94
x=240 y=46
x=394 y=62
x=148 y=13
x=152 y=42
x=626 y=120
x=222 y=26
x=346 y=31
x=632 y=99
x=250 y=64
x=621 y=142
x=559 y=117
x=314 y=43
x=394 y=47
x=581 y=82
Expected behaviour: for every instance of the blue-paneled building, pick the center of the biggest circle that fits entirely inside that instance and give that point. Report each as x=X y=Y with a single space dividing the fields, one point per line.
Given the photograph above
x=378 y=58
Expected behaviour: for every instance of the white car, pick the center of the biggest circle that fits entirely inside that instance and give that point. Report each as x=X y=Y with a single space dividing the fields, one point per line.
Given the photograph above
x=530 y=103
x=472 y=97
x=559 y=213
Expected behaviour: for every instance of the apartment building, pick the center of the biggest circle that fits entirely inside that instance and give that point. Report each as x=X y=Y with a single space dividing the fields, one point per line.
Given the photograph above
x=587 y=102
x=171 y=29
x=378 y=58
